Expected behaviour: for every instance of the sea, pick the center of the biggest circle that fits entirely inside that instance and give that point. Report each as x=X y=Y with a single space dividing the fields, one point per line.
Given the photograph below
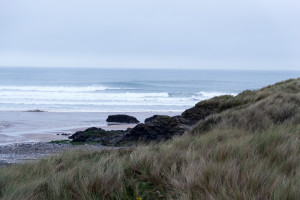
x=123 y=90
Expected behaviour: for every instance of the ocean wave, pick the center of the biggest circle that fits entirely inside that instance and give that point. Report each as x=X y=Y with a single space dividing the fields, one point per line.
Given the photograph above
x=104 y=103
x=179 y=94
x=38 y=95
x=128 y=84
x=95 y=97
x=153 y=98
x=92 y=88
x=207 y=95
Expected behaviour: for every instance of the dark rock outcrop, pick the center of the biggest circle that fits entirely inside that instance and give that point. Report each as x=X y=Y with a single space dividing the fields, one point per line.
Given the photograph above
x=98 y=135
x=154 y=118
x=159 y=127
x=122 y=119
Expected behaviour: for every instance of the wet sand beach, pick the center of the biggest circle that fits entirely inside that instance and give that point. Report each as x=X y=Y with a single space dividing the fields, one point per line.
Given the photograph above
x=46 y=126
x=25 y=136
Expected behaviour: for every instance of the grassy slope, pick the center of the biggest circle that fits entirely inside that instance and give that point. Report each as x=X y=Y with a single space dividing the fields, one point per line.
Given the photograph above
x=251 y=151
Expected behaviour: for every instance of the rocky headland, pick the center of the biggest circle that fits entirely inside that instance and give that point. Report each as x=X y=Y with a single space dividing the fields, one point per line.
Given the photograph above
x=158 y=127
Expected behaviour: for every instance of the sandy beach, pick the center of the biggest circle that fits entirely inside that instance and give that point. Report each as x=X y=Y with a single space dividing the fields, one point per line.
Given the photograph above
x=20 y=127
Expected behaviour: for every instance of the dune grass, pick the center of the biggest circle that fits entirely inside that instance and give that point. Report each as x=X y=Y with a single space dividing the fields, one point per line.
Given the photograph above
x=229 y=164
x=276 y=109
x=246 y=152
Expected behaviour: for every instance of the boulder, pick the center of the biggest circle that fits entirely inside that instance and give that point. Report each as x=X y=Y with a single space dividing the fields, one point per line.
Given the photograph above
x=35 y=110
x=121 y=118
x=98 y=135
x=159 y=127
x=153 y=118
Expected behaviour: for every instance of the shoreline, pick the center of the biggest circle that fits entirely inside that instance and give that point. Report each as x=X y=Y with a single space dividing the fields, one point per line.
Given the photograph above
x=28 y=126
x=25 y=136
x=20 y=152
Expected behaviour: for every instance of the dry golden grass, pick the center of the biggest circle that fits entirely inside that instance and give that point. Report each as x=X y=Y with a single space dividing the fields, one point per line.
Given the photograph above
x=229 y=164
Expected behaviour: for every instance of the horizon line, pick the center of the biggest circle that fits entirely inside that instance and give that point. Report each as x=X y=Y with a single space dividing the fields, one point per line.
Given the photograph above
x=149 y=68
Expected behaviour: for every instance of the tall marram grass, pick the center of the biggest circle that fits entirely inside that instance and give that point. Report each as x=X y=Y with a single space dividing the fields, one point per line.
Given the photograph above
x=276 y=109
x=229 y=164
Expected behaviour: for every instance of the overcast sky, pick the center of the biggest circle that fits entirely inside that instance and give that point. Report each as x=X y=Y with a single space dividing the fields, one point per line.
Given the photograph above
x=211 y=34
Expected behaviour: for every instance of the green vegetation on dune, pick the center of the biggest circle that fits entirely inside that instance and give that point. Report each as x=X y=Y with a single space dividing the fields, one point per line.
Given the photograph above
x=248 y=148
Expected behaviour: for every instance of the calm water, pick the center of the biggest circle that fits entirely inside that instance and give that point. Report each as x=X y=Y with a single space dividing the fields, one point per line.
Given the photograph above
x=122 y=90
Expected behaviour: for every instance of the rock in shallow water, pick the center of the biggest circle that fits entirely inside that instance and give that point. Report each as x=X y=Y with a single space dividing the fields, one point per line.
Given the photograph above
x=122 y=119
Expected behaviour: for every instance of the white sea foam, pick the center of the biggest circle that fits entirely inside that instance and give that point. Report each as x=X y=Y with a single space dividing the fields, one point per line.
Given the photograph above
x=75 y=96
